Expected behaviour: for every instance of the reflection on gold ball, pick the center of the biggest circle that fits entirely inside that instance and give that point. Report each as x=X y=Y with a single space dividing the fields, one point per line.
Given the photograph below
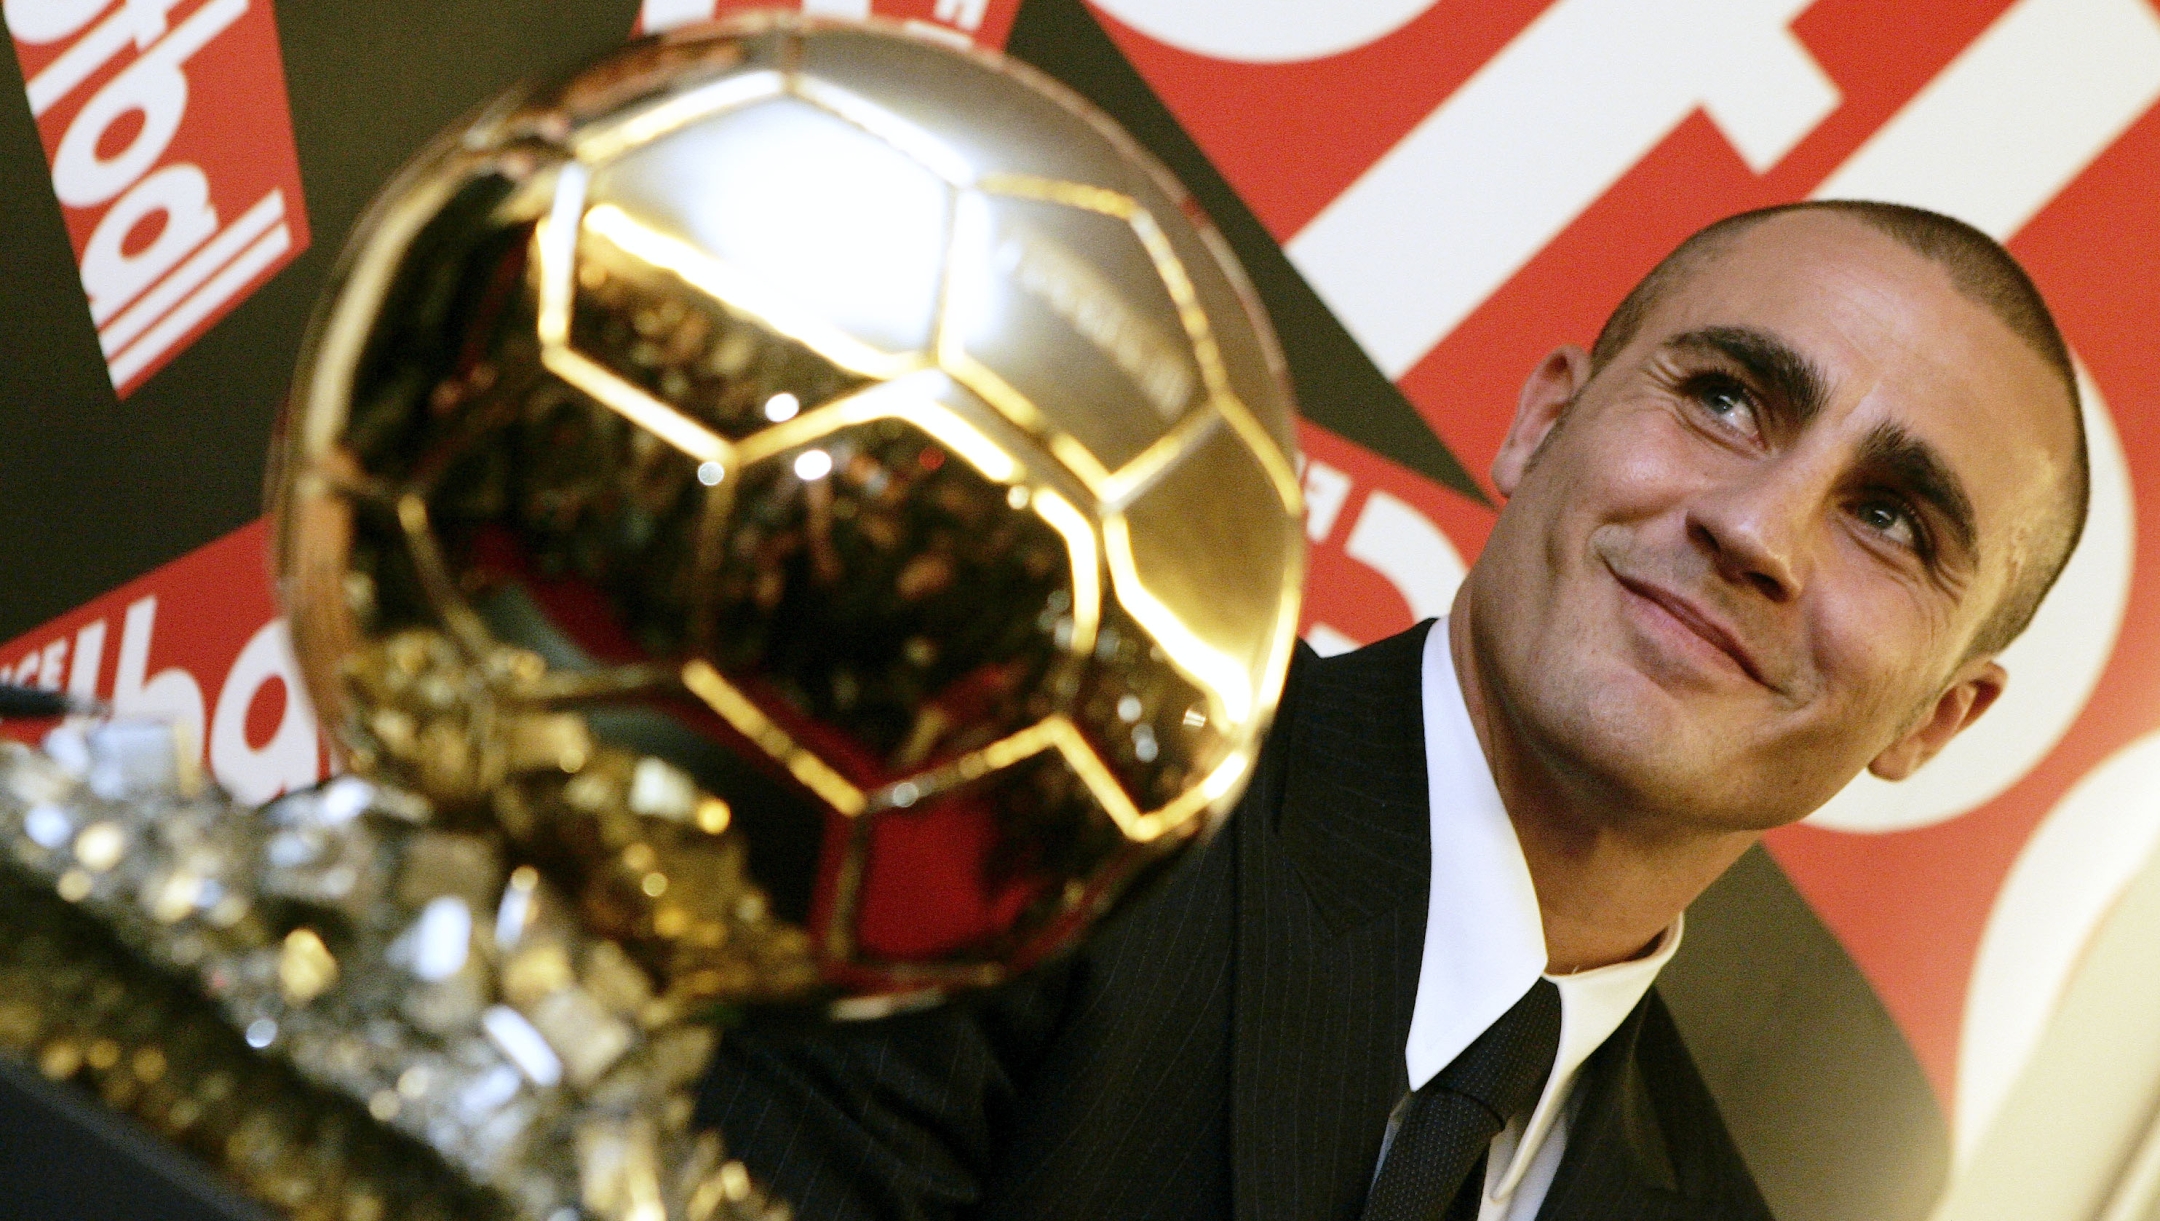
x=827 y=497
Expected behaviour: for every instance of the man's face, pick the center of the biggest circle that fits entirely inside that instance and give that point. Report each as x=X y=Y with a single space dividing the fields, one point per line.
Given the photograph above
x=1753 y=557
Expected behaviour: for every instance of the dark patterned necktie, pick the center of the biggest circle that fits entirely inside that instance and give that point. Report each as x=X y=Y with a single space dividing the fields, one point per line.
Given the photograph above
x=1427 y=1173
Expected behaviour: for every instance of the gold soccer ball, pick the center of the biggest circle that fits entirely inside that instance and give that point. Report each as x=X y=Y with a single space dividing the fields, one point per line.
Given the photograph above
x=828 y=499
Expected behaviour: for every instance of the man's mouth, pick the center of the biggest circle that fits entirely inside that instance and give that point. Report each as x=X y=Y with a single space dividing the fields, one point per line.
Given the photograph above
x=1698 y=620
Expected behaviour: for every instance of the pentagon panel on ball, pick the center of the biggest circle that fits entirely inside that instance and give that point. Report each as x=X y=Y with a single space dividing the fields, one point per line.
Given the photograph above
x=828 y=500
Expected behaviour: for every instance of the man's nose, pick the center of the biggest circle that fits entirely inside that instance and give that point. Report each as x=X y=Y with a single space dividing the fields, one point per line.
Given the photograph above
x=1754 y=528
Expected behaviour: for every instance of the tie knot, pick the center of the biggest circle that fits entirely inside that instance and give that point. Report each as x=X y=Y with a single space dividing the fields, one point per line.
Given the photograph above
x=1506 y=1067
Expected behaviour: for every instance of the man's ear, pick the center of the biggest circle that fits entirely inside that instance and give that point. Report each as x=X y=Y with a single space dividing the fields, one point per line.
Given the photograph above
x=1550 y=388
x=1958 y=706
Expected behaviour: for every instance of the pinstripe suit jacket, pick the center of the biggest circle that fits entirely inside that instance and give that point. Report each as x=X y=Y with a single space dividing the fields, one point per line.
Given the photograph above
x=1228 y=1047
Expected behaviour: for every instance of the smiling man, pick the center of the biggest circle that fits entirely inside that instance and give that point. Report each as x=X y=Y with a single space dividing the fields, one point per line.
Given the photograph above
x=1771 y=530
x=1819 y=470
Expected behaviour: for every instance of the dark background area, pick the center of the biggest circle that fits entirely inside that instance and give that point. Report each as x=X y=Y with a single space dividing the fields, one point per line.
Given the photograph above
x=61 y=1156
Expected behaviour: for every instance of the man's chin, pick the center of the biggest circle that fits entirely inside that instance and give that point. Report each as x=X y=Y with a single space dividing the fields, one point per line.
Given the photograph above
x=1646 y=747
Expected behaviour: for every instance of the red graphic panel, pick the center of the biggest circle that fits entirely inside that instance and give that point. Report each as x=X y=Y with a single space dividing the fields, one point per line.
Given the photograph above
x=1388 y=545
x=199 y=643
x=170 y=142
x=1340 y=112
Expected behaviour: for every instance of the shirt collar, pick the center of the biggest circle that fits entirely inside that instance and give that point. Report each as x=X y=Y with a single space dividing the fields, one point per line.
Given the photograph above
x=1484 y=937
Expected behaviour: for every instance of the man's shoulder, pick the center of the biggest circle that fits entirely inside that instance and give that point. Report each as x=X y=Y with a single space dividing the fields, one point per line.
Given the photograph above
x=1364 y=702
x=1399 y=657
x=1341 y=791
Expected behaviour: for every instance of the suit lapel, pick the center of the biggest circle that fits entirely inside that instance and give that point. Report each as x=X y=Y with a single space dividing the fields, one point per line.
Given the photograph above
x=1333 y=857
x=1618 y=1163
x=1646 y=1143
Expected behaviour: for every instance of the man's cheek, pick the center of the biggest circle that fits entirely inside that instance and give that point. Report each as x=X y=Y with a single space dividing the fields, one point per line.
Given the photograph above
x=1861 y=676
x=1648 y=472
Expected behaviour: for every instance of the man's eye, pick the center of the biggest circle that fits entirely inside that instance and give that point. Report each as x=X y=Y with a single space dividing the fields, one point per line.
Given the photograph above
x=1891 y=520
x=1728 y=401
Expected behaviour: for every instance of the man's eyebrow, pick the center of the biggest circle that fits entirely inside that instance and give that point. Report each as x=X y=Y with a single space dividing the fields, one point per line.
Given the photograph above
x=1916 y=467
x=1774 y=365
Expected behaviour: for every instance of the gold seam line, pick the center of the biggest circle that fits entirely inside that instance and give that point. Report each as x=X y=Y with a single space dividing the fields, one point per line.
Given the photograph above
x=1053 y=732
x=1033 y=740
x=1130 y=480
x=975 y=764
x=962 y=438
x=1177 y=813
x=1266 y=450
x=702 y=444
x=1058 y=732
x=555 y=240
x=1168 y=267
x=1086 y=564
x=599 y=144
x=966 y=241
x=420 y=544
x=815 y=424
x=740 y=294
x=736 y=709
x=886 y=401
x=1205 y=351
x=994 y=390
x=1219 y=676
x=1171 y=270
x=1080 y=460
x=1100 y=200
x=570 y=686
x=1019 y=410
x=1089 y=766
x=847 y=893
x=905 y=138
x=1225 y=776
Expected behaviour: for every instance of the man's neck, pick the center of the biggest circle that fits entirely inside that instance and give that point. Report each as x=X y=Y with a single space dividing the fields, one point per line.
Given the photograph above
x=1608 y=882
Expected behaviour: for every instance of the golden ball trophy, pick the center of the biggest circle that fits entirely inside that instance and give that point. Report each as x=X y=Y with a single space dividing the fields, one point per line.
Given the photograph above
x=792 y=514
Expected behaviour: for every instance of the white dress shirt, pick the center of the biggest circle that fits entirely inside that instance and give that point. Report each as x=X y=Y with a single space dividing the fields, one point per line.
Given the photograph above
x=1485 y=946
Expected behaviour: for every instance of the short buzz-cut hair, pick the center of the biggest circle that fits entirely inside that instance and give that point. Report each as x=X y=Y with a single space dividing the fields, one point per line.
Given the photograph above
x=1983 y=272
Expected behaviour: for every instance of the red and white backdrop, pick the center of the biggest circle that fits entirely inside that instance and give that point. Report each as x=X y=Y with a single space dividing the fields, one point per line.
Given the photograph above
x=1461 y=184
